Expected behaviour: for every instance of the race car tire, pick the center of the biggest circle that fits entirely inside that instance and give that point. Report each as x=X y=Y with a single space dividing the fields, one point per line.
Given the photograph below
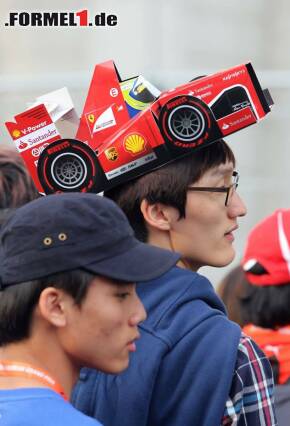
x=185 y=121
x=68 y=165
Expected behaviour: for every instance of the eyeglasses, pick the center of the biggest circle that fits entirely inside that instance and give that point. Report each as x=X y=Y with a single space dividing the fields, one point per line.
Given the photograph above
x=228 y=190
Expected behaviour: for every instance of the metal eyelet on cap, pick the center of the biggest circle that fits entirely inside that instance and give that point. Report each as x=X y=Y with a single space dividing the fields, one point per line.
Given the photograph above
x=47 y=241
x=62 y=236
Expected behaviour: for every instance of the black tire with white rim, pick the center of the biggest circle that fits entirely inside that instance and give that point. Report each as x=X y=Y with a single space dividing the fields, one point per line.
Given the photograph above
x=184 y=121
x=67 y=165
x=69 y=170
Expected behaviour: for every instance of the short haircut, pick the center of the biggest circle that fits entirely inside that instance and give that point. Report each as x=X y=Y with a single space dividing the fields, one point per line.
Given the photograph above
x=167 y=185
x=265 y=306
x=17 y=302
x=16 y=185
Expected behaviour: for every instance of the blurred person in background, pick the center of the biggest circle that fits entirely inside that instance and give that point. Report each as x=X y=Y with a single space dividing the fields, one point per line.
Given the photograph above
x=257 y=295
x=194 y=366
x=230 y=290
x=16 y=185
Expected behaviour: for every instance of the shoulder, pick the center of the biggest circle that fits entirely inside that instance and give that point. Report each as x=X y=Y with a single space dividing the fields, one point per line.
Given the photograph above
x=250 y=399
x=73 y=417
x=177 y=302
x=31 y=403
x=62 y=412
x=251 y=360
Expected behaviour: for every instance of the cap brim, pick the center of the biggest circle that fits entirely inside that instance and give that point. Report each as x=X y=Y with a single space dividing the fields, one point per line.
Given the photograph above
x=143 y=262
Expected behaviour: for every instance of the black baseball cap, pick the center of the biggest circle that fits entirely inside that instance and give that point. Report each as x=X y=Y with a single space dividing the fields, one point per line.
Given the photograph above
x=62 y=232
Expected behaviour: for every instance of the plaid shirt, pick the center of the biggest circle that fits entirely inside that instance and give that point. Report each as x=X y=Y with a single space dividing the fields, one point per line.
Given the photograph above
x=250 y=401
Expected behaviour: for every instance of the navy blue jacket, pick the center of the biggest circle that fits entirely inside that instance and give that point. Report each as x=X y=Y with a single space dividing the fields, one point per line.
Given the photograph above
x=182 y=371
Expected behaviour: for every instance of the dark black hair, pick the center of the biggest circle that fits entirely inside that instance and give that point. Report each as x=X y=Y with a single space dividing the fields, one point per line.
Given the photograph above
x=16 y=185
x=266 y=306
x=263 y=306
x=167 y=185
x=17 y=302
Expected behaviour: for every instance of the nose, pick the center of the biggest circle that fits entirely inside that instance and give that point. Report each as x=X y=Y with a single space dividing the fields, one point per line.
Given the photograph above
x=139 y=314
x=236 y=207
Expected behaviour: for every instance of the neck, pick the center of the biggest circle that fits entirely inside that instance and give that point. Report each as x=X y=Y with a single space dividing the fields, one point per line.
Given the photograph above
x=164 y=240
x=39 y=353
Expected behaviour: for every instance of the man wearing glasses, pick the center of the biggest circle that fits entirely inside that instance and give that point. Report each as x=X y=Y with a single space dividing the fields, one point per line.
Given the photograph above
x=194 y=366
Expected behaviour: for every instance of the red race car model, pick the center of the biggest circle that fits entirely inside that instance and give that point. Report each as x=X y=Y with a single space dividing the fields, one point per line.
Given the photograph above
x=179 y=121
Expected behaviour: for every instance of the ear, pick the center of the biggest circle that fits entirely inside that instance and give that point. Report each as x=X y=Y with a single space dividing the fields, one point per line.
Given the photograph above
x=52 y=306
x=158 y=215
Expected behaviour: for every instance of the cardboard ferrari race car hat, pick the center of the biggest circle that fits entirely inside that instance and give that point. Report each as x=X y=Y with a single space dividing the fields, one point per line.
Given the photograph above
x=128 y=128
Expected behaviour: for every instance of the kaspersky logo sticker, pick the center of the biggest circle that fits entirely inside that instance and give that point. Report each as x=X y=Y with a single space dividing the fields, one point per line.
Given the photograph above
x=134 y=144
x=98 y=122
x=80 y=18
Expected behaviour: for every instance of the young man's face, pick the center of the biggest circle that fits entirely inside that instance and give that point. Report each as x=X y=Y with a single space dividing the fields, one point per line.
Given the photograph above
x=101 y=332
x=205 y=235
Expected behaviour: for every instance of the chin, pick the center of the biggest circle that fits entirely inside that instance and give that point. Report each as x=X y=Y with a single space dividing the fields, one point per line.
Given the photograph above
x=116 y=368
x=224 y=260
x=112 y=366
x=227 y=259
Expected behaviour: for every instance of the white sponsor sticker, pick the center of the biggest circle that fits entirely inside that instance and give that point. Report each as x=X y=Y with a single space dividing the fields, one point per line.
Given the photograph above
x=130 y=166
x=35 y=138
x=38 y=150
x=114 y=92
x=105 y=120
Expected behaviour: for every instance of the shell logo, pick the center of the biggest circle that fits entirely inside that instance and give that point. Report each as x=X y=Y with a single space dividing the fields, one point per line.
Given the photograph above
x=91 y=118
x=134 y=144
x=16 y=133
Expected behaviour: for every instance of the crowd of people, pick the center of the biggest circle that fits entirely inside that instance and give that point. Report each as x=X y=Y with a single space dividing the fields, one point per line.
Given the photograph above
x=73 y=326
